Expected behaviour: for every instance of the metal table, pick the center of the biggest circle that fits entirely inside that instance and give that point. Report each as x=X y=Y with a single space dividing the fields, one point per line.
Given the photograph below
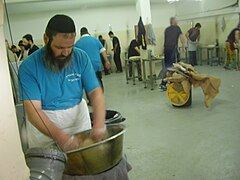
x=133 y=61
x=151 y=79
x=210 y=54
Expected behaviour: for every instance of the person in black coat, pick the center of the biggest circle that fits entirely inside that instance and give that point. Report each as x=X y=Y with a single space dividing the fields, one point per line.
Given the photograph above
x=117 y=51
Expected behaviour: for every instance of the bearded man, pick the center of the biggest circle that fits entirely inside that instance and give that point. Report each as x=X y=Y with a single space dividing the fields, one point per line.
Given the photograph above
x=52 y=81
x=29 y=45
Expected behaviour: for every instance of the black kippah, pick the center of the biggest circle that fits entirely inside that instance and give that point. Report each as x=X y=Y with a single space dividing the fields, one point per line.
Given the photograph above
x=62 y=24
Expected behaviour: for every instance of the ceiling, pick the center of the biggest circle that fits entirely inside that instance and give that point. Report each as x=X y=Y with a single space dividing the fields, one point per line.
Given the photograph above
x=29 y=6
x=40 y=6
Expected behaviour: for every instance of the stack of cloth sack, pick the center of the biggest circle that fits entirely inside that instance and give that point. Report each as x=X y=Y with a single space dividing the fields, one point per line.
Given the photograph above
x=188 y=76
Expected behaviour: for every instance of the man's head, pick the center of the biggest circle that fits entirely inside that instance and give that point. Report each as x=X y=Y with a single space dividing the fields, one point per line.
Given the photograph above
x=111 y=35
x=14 y=49
x=59 y=39
x=173 y=21
x=83 y=31
x=27 y=41
x=21 y=45
x=100 y=37
x=198 y=26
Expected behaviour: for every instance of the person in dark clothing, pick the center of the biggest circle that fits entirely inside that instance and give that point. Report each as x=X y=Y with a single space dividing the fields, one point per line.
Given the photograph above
x=232 y=45
x=117 y=51
x=134 y=51
x=15 y=50
x=193 y=36
x=104 y=43
x=29 y=44
x=23 y=54
x=171 y=36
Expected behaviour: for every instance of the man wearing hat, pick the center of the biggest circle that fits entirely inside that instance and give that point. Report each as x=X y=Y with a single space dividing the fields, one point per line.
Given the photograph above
x=52 y=82
x=29 y=44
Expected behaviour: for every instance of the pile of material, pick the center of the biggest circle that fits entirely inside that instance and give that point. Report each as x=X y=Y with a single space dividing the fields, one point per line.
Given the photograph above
x=187 y=76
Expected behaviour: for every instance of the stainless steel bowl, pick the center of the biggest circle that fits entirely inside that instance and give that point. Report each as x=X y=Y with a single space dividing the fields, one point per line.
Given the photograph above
x=98 y=157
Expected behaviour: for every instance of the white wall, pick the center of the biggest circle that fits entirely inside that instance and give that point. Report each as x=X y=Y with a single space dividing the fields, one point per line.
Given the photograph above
x=12 y=159
x=97 y=20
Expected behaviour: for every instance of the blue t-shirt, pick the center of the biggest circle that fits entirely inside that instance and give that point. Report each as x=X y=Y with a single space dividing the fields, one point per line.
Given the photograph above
x=56 y=90
x=92 y=47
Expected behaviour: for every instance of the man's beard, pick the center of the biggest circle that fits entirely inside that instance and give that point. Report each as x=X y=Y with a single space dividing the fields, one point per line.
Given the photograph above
x=56 y=64
x=27 y=47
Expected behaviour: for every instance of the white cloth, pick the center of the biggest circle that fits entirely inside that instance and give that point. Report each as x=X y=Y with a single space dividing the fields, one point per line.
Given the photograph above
x=72 y=121
x=151 y=35
x=192 y=46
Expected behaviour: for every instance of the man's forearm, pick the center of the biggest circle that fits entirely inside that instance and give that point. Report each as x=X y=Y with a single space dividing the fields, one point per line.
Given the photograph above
x=40 y=120
x=104 y=55
x=99 y=110
x=182 y=39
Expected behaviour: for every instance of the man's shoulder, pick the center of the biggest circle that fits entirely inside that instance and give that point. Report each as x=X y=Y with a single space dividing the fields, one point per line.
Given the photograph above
x=115 y=37
x=35 y=47
x=85 y=39
x=78 y=52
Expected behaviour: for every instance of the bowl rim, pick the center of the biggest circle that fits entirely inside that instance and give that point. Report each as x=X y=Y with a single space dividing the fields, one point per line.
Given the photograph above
x=101 y=142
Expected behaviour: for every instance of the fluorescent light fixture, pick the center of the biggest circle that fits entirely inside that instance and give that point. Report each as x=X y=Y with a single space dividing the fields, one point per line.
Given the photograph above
x=172 y=1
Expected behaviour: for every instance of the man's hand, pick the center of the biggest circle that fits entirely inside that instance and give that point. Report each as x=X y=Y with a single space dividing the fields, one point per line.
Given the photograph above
x=99 y=134
x=72 y=143
x=107 y=65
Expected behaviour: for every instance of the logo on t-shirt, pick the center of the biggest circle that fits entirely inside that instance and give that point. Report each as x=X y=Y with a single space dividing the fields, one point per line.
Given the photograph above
x=73 y=77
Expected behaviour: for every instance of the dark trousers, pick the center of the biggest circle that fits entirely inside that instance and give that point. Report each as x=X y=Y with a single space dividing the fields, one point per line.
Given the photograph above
x=170 y=57
x=103 y=63
x=138 y=63
x=193 y=57
x=117 y=60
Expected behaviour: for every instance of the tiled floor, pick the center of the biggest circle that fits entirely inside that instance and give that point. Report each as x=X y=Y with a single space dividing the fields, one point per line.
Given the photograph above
x=167 y=143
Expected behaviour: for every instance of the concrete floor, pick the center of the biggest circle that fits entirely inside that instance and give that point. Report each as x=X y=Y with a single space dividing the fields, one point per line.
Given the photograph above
x=166 y=143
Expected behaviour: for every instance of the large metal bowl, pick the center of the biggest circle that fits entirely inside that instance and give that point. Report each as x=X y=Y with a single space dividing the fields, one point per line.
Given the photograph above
x=98 y=157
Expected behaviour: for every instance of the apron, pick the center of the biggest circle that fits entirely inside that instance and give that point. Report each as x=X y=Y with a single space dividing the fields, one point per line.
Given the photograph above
x=71 y=121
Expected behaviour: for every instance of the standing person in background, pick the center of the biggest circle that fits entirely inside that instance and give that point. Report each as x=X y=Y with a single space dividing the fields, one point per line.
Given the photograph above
x=134 y=51
x=104 y=43
x=23 y=54
x=117 y=51
x=93 y=48
x=171 y=36
x=15 y=50
x=29 y=44
x=232 y=45
x=193 y=37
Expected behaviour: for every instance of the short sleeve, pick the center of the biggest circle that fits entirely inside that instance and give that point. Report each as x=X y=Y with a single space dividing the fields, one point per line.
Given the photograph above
x=115 y=41
x=179 y=30
x=89 y=79
x=100 y=46
x=28 y=86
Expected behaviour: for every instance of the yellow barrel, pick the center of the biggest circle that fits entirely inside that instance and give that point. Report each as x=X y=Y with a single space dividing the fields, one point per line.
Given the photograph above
x=176 y=94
